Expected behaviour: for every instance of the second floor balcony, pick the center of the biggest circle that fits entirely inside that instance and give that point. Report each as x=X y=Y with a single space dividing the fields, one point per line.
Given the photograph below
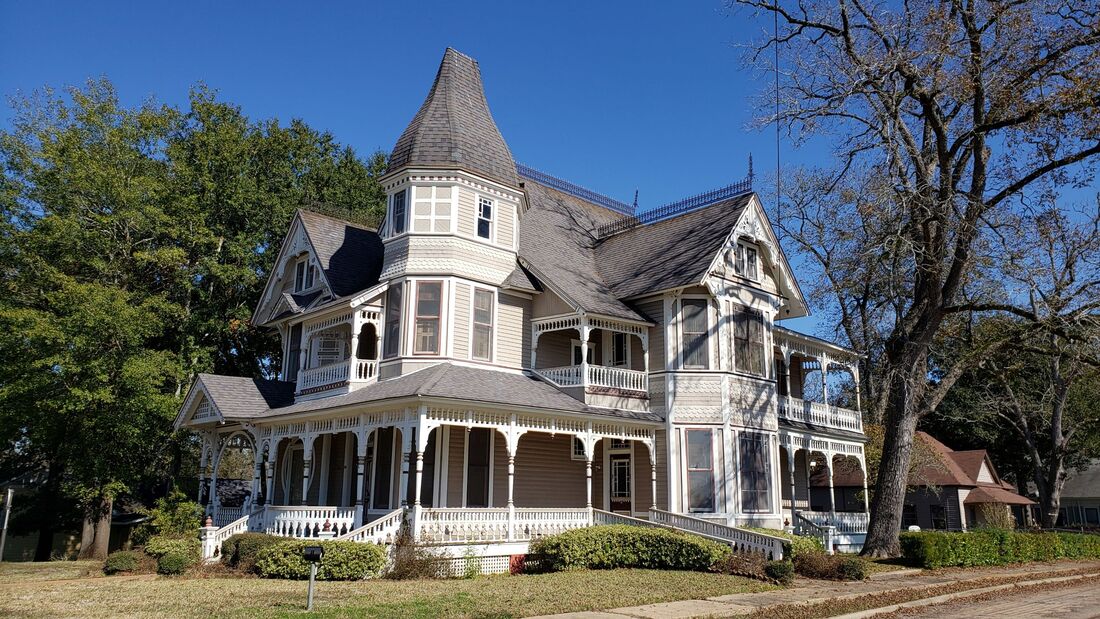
x=338 y=352
x=817 y=382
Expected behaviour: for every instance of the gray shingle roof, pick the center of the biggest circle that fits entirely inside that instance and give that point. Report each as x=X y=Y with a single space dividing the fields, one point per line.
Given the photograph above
x=1083 y=484
x=670 y=253
x=350 y=255
x=454 y=127
x=241 y=398
x=448 y=381
x=521 y=279
x=556 y=241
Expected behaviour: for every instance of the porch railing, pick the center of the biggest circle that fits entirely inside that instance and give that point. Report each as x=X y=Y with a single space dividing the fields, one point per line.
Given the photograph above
x=844 y=522
x=568 y=376
x=365 y=369
x=225 y=515
x=497 y=524
x=307 y=521
x=618 y=378
x=819 y=414
x=325 y=375
x=598 y=376
x=741 y=539
x=382 y=531
x=532 y=522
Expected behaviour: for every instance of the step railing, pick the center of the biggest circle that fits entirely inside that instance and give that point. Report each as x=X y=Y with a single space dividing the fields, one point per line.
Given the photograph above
x=742 y=540
x=601 y=517
x=213 y=537
x=824 y=532
x=384 y=530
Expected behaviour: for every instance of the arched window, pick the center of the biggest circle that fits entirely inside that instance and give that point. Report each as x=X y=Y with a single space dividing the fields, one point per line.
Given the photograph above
x=368 y=343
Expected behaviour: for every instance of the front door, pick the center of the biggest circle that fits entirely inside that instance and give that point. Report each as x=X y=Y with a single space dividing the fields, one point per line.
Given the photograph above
x=620 y=483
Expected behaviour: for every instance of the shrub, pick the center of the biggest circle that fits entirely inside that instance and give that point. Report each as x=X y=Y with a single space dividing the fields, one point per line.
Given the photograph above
x=616 y=546
x=161 y=545
x=413 y=561
x=796 y=544
x=342 y=560
x=240 y=550
x=830 y=567
x=749 y=565
x=933 y=549
x=122 y=561
x=173 y=516
x=781 y=572
x=173 y=563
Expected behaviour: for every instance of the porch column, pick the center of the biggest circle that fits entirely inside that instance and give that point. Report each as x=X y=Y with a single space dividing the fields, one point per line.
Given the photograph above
x=215 y=504
x=859 y=405
x=866 y=495
x=645 y=354
x=257 y=479
x=307 y=467
x=272 y=453
x=204 y=477
x=360 y=472
x=326 y=465
x=809 y=481
x=824 y=361
x=832 y=494
x=406 y=447
x=585 y=332
x=790 y=479
x=653 y=472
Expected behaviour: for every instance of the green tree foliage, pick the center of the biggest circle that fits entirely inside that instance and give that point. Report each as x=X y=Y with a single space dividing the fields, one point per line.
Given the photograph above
x=134 y=243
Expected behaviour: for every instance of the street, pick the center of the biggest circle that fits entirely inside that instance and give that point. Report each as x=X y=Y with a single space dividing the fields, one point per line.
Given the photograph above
x=1080 y=601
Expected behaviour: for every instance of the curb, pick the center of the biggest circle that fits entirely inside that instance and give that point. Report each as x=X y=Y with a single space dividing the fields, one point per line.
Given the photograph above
x=960 y=595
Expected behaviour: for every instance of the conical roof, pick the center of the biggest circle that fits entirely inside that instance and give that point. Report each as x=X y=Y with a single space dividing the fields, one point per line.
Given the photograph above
x=454 y=128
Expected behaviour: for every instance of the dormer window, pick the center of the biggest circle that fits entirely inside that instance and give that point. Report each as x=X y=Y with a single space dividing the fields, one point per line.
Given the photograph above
x=746 y=261
x=397 y=209
x=304 y=275
x=485 y=218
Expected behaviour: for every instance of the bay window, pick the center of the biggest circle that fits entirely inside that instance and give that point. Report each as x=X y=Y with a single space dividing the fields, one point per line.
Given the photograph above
x=700 y=470
x=398 y=212
x=426 y=326
x=755 y=470
x=748 y=341
x=693 y=325
x=483 y=325
x=391 y=337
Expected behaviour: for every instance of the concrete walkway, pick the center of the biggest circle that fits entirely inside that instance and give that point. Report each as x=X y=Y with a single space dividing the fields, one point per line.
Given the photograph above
x=806 y=591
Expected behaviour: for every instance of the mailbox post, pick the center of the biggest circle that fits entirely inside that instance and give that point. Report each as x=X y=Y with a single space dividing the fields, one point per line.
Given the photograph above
x=313 y=555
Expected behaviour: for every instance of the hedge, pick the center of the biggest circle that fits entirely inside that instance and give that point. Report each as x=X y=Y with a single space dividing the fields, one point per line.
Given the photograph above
x=830 y=567
x=173 y=563
x=160 y=545
x=932 y=549
x=616 y=546
x=122 y=561
x=240 y=550
x=341 y=560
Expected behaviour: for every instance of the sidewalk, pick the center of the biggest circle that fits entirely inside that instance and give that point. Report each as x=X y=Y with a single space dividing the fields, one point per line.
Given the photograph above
x=806 y=591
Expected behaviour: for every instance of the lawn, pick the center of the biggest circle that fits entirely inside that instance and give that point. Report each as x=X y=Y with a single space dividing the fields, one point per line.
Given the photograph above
x=486 y=596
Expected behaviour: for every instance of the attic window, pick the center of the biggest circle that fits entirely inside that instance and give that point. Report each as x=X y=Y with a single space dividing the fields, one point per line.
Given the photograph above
x=398 y=211
x=746 y=261
x=304 y=275
x=485 y=218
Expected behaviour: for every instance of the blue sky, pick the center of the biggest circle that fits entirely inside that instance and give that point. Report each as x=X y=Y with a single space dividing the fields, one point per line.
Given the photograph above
x=614 y=96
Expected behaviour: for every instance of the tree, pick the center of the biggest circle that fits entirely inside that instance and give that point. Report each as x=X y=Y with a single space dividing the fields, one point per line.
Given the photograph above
x=134 y=244
x=959 y=108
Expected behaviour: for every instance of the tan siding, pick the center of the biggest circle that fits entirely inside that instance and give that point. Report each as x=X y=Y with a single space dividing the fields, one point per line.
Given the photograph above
x=513 y=331
x=550 y=304
x=467 y=211
x=643 y=488
x=546 y=475
x=505 y=227
x=461 y=327
x=662 y=470
x=555 y=349
x=456 y=466
x=655 y=310
x=500 y=471
x=637 y=355
x=599 y=471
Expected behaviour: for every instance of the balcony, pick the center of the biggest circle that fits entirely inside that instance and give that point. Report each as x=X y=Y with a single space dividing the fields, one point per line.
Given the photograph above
x=337 y=374
x=598 y=376
x=819 y=414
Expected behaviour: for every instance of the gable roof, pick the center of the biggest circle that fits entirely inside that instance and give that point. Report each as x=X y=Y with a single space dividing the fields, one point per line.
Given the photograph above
x=237 y=397
x=1083 y=483
x=556 y=244
x=350 y=254
x=639 y=260
x=454 y=126
x=949 y=473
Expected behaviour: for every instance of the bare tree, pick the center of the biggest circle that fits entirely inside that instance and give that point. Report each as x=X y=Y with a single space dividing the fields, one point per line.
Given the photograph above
x=960 y=107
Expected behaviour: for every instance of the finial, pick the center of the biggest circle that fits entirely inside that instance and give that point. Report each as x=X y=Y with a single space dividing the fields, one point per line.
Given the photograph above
x=635 y=199
x=750 y=169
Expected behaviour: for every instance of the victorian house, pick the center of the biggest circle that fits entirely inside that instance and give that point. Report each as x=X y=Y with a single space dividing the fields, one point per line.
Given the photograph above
x=511 y=355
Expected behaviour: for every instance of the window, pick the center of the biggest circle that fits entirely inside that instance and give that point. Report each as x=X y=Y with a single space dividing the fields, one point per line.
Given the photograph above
x=391 y=335
x=694 y=327
x=399 y=212
x=908 y=517
x=618 y=443
x=781 y=376
x=485 y=218
x=748 y=341
x=700 y=471
x=939 y=517
x=483 y=324
x=304 y=274
x=577 y=352
x=431 y=211
x=578 y=450
x=619 y=351
x=329 y=350
x=755 y=473
x=426 y=330
x=746 y=261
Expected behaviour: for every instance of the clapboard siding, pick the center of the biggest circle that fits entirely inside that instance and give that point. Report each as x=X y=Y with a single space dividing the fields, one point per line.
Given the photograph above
x=461 y=329
x=555 y=349
x=467 y=211
x=654 y=310
x=513 y=333
x=546 y=474
x=550 y=304
x=456 y=465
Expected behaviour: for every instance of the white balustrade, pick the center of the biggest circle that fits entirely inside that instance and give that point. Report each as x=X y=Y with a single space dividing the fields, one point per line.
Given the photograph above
x=844 y=522
x=442 y=525
x=742 y=540
x=532 y=523
x=618 y=378
x=382 y=531
x=568 y=376
x=307 y=520
x=819 y=414
x=225 y=515
x=365 y=370
x=330 y=374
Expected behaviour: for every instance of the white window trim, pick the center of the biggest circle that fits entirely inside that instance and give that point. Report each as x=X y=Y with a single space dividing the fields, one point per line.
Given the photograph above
x=573 y=455
x=493 y=328
x=410 y=303
x=607 y=453
x=307 y=286
x=391 y=216
x=681 y=355
x=716 y=475
x=494 y=204
x=743 y=245
x=432 y=217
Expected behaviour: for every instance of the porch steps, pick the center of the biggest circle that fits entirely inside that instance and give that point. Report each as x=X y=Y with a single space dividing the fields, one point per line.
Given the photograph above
x=741 y=540
x=384 y=530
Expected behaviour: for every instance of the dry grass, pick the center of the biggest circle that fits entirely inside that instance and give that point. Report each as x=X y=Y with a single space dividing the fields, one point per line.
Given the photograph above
x=488 y=596
x=11 y=573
